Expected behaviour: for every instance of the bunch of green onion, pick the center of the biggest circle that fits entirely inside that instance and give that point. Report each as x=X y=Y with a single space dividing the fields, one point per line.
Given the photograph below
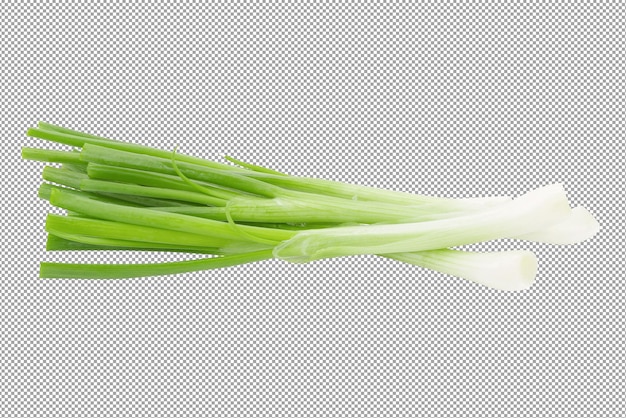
x=123 y=196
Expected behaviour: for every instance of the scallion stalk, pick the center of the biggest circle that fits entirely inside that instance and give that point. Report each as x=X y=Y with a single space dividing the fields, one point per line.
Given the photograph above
x=122 y=196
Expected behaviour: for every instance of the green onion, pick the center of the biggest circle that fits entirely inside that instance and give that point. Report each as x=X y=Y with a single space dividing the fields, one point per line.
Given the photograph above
x=124 y=196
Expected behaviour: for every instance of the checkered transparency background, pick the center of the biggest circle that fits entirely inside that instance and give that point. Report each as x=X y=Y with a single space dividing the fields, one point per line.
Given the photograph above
x=451 y=100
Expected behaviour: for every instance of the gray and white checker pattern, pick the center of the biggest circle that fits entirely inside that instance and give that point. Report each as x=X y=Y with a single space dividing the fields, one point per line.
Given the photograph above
x=454 y=99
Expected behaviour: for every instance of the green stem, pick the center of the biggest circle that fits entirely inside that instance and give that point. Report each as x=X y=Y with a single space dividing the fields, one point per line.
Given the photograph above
x=147 y=217
x=97 y=154
x=56 y=224
x=84 y=242
x=101 y=186
x=125 y=200
x=71 y=242
x=80 y=140
x=253 y=167
x=79 y=168
x=51 y=156
x=207 y=212
x=57 y=128
x=63 y=176
x=150 y=178
x=219 y=214
x=124 y=271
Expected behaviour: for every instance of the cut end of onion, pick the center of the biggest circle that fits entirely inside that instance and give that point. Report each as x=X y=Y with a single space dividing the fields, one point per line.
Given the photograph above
x=516 y=272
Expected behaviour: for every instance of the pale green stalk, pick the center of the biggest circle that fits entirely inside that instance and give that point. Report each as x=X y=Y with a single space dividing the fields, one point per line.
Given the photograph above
x=533 y=211
x=503 y=270
x=372 y=194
